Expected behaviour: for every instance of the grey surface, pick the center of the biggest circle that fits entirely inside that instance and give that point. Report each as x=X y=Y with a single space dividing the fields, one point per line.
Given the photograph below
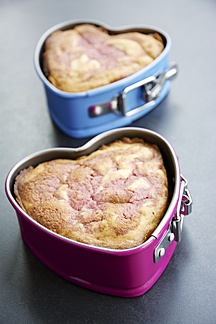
x=185 y=293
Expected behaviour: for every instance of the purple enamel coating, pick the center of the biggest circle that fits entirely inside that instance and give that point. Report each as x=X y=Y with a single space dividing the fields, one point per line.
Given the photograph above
x=126 y=273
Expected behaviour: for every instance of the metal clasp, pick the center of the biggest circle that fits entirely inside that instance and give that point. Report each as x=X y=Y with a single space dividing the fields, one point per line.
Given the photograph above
x=153 y=92
x=184 y=208
x=152 y=87
x=174 y=232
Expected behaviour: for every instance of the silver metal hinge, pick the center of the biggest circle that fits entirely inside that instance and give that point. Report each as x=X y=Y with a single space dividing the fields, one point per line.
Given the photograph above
x=174 y=232
x=160 y=250
x=152 y=87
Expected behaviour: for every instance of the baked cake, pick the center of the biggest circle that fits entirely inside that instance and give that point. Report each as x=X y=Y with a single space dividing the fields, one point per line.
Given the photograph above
x=86 y=57
x=113 y=198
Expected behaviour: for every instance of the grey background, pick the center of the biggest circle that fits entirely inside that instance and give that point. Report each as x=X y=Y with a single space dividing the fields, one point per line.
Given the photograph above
x=185 y=293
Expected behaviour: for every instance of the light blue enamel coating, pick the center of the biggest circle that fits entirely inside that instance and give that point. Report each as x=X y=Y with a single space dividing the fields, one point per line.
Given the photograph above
x=70 y=111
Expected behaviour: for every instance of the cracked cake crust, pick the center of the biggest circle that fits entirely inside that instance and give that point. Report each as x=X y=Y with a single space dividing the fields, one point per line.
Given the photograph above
x=87 y=57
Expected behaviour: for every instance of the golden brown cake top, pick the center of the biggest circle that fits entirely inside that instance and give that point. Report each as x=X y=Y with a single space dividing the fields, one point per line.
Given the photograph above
x=113 y=198
x=87 y=57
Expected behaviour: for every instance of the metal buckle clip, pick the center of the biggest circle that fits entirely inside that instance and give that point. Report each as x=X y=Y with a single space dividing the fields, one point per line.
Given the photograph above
x=184 y=208
x=152 y=87
x=154 y=92
x=174 y=232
